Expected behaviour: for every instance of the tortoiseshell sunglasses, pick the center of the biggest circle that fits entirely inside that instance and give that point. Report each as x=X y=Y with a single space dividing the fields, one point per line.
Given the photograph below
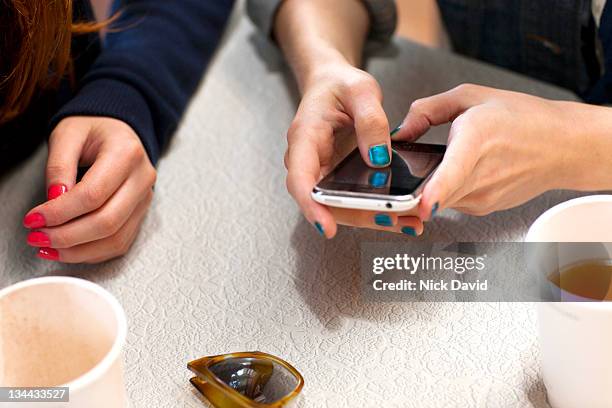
x=246 y=380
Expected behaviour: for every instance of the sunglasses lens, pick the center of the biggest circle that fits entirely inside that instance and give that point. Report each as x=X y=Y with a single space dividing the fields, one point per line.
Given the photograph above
x=260 y=380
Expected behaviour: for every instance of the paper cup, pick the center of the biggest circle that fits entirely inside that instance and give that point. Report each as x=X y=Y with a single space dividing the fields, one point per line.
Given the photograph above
x=576 y=337
x=63 y=332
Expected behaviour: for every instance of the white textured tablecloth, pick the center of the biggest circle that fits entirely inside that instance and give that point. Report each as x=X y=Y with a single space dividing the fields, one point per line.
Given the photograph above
x=225 y=262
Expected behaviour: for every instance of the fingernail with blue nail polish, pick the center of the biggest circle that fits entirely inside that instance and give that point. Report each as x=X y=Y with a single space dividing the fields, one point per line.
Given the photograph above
x=378 y=179
x=319 y=228
x=379 y=155
x=434 y=209
x=409 y=231
x=383 y=220
x=397 y=129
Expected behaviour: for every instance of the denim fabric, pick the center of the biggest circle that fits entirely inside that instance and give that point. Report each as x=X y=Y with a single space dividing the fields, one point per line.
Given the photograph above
x=553 y=41
x=602 y=91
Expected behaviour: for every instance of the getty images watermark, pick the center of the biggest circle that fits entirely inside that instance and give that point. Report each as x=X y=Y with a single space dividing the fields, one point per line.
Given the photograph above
x=464 y=272
x=34 y=394
x=412 y=264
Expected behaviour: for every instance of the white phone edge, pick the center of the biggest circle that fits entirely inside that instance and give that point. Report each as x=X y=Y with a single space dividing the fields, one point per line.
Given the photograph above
x=369 y=204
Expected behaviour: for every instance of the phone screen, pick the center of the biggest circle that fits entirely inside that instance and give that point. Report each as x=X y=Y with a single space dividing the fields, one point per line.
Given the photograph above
x=410 y=165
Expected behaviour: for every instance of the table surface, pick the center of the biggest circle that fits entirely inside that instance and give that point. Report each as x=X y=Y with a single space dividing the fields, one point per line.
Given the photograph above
x=225 y=262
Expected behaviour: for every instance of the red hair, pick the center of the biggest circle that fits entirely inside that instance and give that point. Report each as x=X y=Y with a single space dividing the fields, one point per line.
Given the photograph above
x=35 y=47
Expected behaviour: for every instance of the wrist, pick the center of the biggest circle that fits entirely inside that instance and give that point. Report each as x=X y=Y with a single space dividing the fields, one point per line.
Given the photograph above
x=318 y=32
x=327 y=67
x=586 y=163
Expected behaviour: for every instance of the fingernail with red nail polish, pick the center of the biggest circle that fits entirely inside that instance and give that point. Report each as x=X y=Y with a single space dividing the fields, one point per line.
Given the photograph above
x=55 y=191
x=34 y=220
x=38 y=239
x=49 y=254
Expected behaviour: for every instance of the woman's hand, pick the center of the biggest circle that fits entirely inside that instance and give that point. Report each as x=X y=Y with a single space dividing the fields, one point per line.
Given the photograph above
x=506 y=148
x=98 y=218
x=323 y=42
x=338 y=102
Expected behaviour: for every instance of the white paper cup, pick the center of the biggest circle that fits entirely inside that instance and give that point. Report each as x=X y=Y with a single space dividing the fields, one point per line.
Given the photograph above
x=576 y=337
x=63 y=332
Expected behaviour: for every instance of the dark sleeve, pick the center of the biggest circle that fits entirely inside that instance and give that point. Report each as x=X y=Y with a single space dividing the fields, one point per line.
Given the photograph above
x=151 y=63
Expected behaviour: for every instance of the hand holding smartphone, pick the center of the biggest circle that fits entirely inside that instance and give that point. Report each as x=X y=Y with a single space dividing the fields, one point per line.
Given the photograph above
x=396 y=188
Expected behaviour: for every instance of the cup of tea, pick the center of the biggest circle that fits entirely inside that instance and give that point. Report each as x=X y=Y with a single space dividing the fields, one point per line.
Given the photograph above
x=575 y=334
x=61 y=332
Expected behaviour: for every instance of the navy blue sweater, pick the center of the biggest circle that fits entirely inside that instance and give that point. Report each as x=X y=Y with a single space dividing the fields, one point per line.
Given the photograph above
x=144 y=73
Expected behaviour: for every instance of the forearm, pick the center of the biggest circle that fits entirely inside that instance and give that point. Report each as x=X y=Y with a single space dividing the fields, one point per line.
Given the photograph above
x=588 y=161
x=151 y=63
x=319 y=32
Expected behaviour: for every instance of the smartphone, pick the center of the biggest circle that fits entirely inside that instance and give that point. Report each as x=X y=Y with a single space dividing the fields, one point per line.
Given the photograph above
x=397 y=188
